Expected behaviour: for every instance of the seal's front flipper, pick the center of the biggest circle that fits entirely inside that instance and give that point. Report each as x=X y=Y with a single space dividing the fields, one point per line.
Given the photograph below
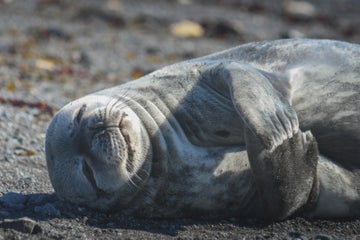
x=264 y=108
x=285 y=177
x=282 y=158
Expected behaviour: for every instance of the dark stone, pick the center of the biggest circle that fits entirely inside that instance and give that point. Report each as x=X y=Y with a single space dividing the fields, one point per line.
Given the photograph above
x=14 y=200
x=25 y=225
x=47 y=210
x=40 y=199
x=322 y=237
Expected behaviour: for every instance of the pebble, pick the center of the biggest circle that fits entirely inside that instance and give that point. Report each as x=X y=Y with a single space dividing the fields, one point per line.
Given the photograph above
x=323 y=237
x=292 y=33
x=14 y=200
x=300 y=9
x=41 y=199
x=25 y=225
x=187 y=29
x=47 y=210
x=4 y=213
x=25 y=180
x=296 y=235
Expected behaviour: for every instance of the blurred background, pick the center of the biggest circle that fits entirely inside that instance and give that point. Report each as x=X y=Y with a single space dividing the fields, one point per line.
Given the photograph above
x=76 y=47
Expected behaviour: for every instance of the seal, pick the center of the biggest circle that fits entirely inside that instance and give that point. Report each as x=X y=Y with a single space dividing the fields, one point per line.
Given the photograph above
x=264 y=129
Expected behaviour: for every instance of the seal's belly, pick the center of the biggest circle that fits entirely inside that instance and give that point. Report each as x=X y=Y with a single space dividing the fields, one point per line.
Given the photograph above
x=213 y=181
x=208 y=169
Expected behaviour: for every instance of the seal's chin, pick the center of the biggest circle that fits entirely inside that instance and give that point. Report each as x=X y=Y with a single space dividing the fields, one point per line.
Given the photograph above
x=97 y=154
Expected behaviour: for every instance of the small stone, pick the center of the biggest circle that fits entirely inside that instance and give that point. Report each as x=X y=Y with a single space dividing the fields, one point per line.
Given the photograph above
x=299 y=9
x=322 y=237
x=296 y=235
x=26 y=180
x=220 y=30
x=82 y=58
x=14 y=200
x=184 y=2
x=25 y=225
x=45 y=64
x=47 y=210
x=292 y=33
x=187 y=29
x=41 y=199
x=4 y=213
x=110 y=225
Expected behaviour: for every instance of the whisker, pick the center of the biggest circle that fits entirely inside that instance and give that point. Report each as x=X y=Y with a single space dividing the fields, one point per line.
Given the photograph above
x=124 y=98
x=147 y=174
x=106 y=112
x=116 y=102
x=137 y=177
x=120 y=101
x=132 y=183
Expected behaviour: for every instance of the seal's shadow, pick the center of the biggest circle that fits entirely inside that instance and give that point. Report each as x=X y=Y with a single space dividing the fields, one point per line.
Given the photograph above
x=47 y=206
x=38 y=206
x=169 y=227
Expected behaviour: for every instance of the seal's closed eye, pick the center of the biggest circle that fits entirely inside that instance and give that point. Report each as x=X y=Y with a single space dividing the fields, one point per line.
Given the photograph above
x=80 y=114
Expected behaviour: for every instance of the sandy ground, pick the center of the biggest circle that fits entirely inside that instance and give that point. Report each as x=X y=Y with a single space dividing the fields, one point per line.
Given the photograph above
x=52 y=52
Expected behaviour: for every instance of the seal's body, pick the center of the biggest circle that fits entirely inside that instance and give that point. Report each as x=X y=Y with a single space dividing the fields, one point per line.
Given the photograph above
x=265 y=127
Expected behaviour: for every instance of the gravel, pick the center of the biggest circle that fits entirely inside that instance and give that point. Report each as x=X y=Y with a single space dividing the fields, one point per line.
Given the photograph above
x=54 y=51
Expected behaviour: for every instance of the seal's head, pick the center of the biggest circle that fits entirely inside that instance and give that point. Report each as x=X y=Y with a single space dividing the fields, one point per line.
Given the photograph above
x=98 y=152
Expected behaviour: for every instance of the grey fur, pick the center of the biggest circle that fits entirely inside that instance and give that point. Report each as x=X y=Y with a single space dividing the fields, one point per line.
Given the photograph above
x=173 y=143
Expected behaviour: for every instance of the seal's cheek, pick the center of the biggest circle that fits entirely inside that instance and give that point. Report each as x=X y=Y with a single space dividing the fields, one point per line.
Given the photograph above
x=71 y=184
x=64 y=166
x=73 y=178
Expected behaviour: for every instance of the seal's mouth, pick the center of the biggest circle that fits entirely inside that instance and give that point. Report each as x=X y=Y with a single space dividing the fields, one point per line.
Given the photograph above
x=90 y=177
